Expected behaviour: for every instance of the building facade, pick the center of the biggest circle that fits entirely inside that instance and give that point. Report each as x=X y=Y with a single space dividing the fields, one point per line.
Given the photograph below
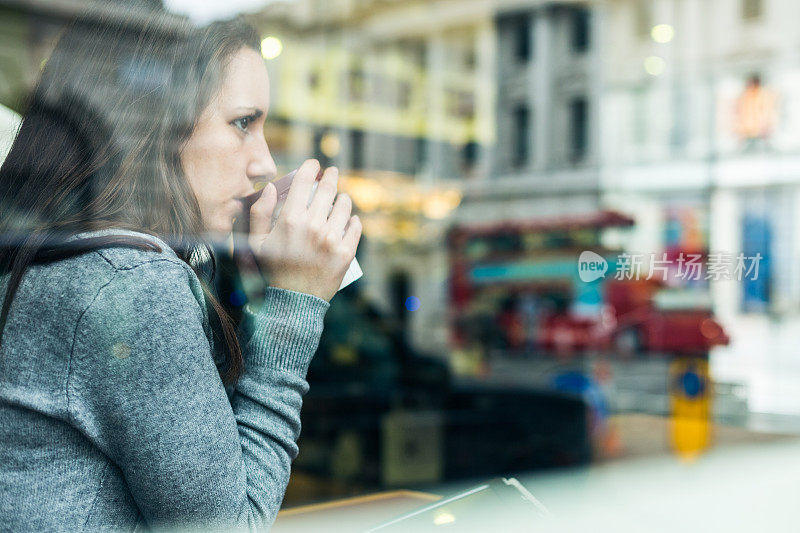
x=701 y=137
x=684 y=114
x=399 y=96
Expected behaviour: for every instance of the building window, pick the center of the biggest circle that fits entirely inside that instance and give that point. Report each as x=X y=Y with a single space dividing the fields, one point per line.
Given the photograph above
x=357 y=83
x=469 y=156
x=681 y=120
x=581 y=19
x=471 y=59
x=521 y=136
x=319 y=155
x=752 y=9
x=756 y=243
x=578 y=129
x=522 y=39
x=643 y=17
x=421 y=152
x=356 y=149
x=640 y=112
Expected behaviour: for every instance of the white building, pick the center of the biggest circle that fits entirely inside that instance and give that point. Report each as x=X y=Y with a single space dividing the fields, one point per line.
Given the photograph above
x=630 y=104
x=676 y=119
x=546 y=159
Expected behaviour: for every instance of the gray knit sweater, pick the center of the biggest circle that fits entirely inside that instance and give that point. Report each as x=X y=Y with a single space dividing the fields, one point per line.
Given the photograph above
x=113 y=415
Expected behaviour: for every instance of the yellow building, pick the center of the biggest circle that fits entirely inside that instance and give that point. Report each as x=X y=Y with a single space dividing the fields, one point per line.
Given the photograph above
x=399 y=96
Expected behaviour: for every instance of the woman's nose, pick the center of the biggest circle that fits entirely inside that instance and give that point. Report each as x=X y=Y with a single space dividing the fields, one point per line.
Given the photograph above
x=262 y=167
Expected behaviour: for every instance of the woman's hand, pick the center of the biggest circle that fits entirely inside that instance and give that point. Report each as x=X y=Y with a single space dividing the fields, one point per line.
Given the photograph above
x=308 y=250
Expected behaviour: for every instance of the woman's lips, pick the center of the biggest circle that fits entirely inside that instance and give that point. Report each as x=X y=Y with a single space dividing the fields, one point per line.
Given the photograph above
x=248 y=201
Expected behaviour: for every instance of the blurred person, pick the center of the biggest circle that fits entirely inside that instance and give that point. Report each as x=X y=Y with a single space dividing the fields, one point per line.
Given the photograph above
x=756 y=114
x=129 y=397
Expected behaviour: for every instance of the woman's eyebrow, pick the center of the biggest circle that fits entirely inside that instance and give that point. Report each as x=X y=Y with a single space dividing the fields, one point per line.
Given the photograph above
x=256 y=112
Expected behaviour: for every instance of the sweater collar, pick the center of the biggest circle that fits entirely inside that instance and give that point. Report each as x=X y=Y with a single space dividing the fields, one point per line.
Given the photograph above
x=121 y=231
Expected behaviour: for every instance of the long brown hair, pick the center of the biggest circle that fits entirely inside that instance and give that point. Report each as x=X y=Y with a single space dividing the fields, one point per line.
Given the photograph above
x=99 y=147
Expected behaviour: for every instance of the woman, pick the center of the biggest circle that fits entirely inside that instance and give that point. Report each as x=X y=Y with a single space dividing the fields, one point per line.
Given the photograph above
x=126 y=401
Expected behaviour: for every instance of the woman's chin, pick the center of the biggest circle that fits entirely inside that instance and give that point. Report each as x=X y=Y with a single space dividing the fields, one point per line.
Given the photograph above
x=220 y=230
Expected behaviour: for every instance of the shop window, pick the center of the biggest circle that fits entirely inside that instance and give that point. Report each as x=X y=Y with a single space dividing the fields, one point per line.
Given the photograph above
x=400 y=292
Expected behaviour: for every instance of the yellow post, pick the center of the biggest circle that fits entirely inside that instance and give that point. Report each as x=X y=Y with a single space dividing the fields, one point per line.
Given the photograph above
x=690 y=398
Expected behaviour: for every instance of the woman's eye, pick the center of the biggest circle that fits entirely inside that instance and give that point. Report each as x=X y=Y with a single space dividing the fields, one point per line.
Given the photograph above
x=242 y=123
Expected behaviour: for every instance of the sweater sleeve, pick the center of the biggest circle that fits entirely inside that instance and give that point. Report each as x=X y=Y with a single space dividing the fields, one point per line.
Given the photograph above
x=144 y=387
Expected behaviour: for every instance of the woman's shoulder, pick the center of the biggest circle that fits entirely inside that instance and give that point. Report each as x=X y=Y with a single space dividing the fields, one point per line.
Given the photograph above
x=136 y=269
x=127 y=258
x=91 y=287
x=77 y=280
x=132 y=283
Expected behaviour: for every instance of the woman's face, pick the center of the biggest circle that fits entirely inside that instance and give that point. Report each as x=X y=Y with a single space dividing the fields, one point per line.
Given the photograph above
x=227 y=153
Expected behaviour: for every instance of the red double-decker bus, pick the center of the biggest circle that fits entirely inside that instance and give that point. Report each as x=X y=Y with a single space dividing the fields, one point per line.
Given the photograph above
x=515 y=289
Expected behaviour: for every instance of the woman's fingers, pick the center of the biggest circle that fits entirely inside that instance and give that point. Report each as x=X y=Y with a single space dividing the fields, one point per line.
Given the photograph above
x=261 y=211
x=309 y=248
x=353 y=233
x=299 y=192
x=340 y=215
x=320 y=206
